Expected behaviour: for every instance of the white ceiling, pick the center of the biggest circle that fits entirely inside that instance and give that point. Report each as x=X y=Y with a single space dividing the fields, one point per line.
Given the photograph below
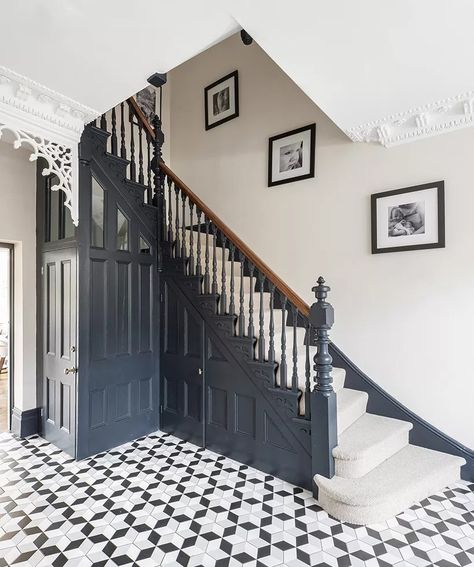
x=99 y=52
x=360 y=61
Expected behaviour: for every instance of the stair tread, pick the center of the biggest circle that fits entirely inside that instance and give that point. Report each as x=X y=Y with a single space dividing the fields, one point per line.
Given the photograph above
x=407 y=475
x=367 y=434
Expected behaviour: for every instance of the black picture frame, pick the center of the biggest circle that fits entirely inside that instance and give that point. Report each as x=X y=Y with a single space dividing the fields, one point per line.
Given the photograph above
x=311 y=128
x=234 y=77
x=441 y=237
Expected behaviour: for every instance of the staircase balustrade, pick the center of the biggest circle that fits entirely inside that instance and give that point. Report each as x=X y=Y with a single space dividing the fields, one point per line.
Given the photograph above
x=192 y=233
x=137 y=143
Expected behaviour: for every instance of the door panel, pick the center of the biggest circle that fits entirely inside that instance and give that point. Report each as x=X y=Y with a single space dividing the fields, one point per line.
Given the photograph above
x=59 y=271
x=182 y=369
x=240 y=423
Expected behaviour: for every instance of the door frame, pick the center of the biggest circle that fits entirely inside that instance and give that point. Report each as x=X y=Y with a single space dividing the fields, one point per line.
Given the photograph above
x=11 y=332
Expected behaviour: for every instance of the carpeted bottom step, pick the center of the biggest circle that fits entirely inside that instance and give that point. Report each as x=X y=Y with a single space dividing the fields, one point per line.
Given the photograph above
x=396 y=484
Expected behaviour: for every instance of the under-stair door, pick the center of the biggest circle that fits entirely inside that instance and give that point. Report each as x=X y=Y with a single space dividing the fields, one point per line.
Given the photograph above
x=59 y=303
x=182 y=369
x=119 y=385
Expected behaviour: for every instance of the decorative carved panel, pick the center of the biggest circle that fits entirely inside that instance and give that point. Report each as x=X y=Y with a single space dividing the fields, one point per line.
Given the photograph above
x=49 y=124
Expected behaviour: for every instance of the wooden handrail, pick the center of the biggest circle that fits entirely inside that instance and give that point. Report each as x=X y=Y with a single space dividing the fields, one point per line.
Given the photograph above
x=132 y=103
x=294 y=298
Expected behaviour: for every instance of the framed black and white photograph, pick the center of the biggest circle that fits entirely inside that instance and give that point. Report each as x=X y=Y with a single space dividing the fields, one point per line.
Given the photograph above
x=291 y=155
x=408 y=219
x=146 y=100
x=221 y=100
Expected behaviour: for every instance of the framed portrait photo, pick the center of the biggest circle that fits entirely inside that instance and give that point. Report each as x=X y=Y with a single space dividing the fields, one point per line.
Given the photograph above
x=221 y=100
x=146 y=100
x=408 y=219
x=291 y=156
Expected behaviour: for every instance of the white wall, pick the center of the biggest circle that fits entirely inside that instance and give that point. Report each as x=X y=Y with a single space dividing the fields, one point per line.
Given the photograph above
x=18 y=226
x=404 y=318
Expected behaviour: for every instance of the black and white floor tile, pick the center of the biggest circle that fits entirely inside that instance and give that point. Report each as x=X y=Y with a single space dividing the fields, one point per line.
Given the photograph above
x=161 y=501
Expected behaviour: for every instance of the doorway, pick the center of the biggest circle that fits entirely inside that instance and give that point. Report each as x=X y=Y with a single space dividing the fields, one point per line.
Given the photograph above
x=57 y=315
x=59 y=271
x=6 y=328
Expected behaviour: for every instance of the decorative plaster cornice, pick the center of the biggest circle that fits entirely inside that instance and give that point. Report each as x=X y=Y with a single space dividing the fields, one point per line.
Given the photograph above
x=49 y=123
x=448 y=114
x=34 y=98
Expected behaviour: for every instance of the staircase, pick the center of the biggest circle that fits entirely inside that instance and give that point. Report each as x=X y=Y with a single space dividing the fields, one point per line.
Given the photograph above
x=364 y=468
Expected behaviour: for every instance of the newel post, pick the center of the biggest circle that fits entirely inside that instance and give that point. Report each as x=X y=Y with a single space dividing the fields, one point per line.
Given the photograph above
x=323 y=397
x=159 y=181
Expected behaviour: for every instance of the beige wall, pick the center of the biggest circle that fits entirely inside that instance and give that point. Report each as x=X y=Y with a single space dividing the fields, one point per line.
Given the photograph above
x=18 y=226
x=404 y=318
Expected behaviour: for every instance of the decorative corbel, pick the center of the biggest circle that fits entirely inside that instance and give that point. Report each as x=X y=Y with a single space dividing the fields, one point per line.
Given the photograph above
x=50 y=125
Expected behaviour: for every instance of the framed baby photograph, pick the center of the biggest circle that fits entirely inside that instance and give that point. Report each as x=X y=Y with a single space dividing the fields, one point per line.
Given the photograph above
x=221 y=100
x=408 y=219
x=291 y=156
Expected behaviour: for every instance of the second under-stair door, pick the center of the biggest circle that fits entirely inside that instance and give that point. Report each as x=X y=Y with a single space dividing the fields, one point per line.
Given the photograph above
x=182 y=369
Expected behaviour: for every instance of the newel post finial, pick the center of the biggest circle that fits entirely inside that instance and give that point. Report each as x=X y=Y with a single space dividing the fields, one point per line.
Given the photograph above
x=322 y=319
x=323 y=397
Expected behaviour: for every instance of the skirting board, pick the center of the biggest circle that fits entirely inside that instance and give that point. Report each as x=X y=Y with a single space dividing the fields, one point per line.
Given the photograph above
x=26 y=423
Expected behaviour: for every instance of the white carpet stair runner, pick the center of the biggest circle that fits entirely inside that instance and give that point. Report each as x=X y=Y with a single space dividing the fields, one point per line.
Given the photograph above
x=378 y=473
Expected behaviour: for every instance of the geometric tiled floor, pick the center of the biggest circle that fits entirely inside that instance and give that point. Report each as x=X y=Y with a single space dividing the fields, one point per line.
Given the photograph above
x=161 y=501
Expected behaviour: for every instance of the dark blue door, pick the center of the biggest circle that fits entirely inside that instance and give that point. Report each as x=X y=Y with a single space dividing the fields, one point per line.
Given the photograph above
x=182 y=369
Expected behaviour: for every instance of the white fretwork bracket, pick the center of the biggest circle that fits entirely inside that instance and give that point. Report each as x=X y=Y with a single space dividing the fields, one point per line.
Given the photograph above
x=47 y=123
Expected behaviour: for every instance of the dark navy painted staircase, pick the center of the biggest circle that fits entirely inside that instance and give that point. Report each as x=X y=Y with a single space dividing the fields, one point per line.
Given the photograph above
x=246 y=366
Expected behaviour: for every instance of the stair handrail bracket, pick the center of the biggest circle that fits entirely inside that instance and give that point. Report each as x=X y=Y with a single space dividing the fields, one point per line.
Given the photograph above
x=323 y=396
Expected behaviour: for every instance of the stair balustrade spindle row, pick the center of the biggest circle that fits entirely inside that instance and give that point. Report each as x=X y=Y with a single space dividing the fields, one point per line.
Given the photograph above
x=131 y=139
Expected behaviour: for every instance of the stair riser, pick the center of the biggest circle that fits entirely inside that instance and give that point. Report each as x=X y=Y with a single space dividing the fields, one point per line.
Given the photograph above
x=350 y=414
x=203 y=248
x=377 y=454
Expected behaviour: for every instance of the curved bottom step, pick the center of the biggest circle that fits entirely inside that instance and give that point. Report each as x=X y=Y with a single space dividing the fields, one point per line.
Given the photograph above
x=396 y=484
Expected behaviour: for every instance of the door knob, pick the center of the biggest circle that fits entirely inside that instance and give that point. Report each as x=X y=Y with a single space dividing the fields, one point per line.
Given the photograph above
x=72 y=370
x=200 y=372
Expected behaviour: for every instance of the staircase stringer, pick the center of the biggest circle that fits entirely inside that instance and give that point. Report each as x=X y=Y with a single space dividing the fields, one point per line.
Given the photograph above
x=113 y=168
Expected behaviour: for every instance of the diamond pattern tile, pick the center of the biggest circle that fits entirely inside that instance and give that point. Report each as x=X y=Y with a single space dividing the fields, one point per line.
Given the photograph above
x=162 y=501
